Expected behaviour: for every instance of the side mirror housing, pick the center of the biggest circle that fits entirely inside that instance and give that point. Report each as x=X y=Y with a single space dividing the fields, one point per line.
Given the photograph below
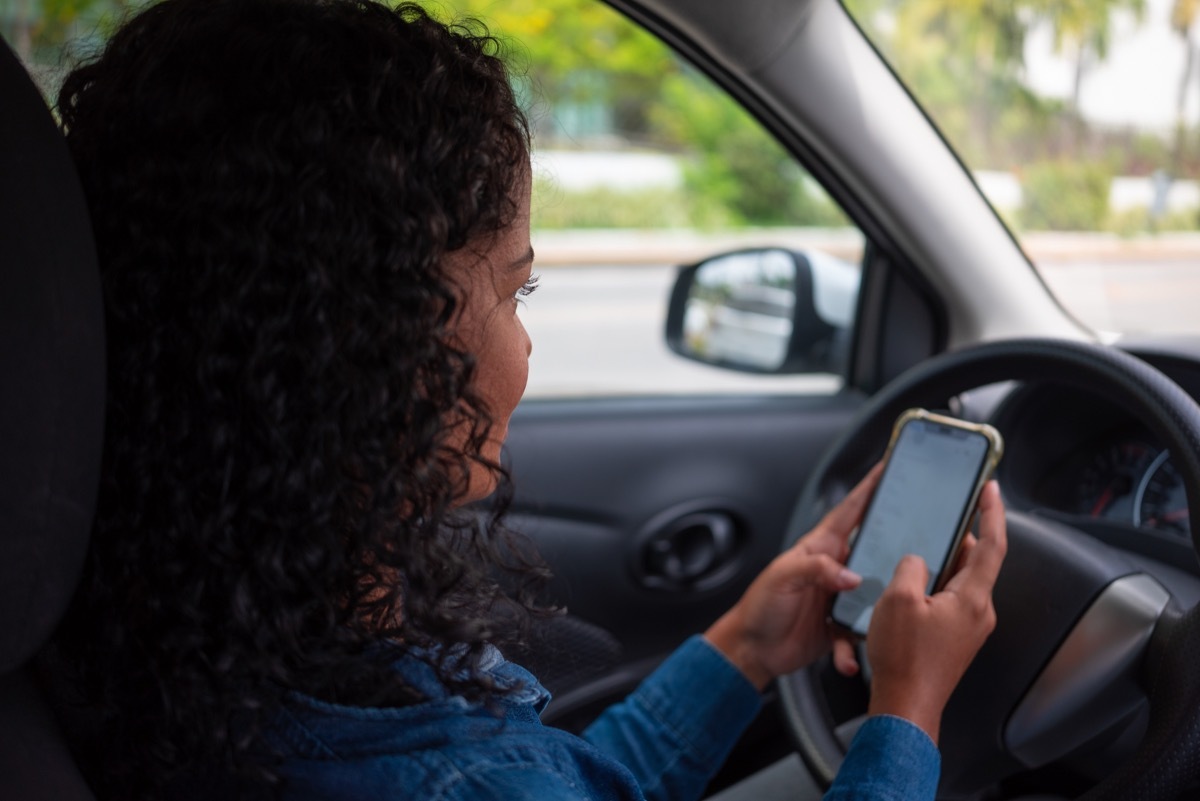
x=767 y=310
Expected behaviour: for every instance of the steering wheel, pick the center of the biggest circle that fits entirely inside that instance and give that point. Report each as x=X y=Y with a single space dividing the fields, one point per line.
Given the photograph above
x=1084 y=642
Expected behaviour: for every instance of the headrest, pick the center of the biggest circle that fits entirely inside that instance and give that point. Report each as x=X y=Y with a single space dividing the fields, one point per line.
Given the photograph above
x=51 y=369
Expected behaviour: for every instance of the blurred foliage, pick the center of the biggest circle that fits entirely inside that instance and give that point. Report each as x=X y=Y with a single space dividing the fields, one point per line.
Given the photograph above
x=40 y=29
x=1065 y=196
x=1130 y=222
x=732 y=164
x=559 y=46
x=557 y=208
x=964 y=60
x=1082 y=28
x=734 y=173
x=580 y=60
x=604 y=207
x=1136 y=153
x=1139 y=221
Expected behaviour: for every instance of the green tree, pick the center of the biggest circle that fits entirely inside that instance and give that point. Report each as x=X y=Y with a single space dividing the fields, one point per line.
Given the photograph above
x=964 y=60
x=39 y=30
x=735 y=172
x=1065 y=196
x=1083 y=27
x=581 y=52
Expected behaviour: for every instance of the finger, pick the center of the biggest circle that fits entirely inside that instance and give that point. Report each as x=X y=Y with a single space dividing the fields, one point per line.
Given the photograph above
x=845 y=661
x=842 y=518
x=806 y=569
x=986 y=557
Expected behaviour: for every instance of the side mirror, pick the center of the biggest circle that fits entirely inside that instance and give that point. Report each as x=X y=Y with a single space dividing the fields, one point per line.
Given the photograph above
x=765 y=311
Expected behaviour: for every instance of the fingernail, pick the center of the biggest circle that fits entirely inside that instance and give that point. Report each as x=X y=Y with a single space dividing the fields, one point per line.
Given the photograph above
x=848 y=578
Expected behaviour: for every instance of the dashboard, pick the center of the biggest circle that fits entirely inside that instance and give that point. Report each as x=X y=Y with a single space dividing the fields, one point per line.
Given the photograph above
x=1080 y=458
x=1123 y=476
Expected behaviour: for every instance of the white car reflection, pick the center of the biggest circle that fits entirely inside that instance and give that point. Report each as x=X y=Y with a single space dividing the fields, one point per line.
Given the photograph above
x=752 y=326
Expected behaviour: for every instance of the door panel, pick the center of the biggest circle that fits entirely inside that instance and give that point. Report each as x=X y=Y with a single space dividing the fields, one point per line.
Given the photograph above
x=597 y=480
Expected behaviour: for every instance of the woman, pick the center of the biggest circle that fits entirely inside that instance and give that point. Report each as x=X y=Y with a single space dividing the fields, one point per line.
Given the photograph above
x=313 y=224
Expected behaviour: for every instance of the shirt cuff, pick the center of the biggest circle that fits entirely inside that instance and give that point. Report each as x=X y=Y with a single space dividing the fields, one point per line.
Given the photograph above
x=890 y=759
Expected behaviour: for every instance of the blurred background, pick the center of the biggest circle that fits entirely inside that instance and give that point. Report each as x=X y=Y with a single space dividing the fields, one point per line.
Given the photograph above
x=1079 y=119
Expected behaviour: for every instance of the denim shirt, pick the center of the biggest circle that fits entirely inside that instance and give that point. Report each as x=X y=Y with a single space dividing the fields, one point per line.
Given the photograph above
x=665 y=741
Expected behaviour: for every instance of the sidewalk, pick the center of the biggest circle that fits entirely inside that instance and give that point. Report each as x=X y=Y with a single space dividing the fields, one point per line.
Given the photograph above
x=638 y=246
x=643 y=246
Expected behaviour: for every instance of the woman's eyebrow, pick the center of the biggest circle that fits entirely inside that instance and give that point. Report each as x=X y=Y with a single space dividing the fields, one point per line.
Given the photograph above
x=523 y=260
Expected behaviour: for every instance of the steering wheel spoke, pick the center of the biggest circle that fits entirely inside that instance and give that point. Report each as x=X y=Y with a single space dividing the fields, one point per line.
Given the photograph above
x=845 y=731
x=1091 y=684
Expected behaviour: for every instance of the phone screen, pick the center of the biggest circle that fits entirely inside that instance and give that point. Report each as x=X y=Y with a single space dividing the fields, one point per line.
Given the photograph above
x=921 y=501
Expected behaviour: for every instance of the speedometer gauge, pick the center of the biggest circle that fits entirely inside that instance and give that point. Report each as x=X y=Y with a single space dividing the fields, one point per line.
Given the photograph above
x=1160 y=501
x=1111 y=478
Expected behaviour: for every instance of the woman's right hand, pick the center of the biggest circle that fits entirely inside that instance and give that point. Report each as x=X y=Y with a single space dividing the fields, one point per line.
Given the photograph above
x=919 y=646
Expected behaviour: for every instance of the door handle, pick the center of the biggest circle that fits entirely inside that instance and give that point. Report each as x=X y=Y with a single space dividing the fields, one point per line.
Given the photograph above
x=695 y=551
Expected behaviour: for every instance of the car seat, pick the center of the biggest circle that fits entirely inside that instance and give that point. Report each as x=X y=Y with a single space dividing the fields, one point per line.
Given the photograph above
x=51 y=423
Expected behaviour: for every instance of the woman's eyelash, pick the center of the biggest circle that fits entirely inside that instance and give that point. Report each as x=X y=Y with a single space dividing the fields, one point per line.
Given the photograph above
x=529 y=286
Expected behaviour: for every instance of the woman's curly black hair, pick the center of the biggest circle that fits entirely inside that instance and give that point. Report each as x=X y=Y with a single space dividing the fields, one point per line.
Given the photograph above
x=273 y=186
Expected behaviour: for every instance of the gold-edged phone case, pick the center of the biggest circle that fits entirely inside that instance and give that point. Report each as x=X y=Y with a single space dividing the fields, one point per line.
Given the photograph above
x=994 y=454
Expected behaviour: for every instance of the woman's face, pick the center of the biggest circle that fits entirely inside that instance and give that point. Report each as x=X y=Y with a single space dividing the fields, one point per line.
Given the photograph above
x=492 y=274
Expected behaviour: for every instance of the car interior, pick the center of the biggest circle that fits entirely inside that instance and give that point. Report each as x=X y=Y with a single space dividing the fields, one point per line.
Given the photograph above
x=53 y=400
x=656 y=512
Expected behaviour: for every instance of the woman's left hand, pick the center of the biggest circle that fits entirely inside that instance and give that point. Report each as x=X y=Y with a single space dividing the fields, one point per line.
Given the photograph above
x=780 y=624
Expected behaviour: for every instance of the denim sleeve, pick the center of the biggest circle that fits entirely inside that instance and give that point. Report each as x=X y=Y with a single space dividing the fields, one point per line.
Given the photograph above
x=514 y=783
x=677 y=728
x=890 y=759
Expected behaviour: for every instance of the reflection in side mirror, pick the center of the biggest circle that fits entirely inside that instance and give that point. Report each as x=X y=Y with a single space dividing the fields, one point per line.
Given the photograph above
x=765 y=311
x=740 y=309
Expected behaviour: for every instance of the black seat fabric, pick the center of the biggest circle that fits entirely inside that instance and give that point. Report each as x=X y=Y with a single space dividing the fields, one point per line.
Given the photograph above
x=51 y=421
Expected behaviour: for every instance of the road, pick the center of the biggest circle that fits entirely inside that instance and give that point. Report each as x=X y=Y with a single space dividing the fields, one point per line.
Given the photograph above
x=598 y=329
x=1136 y=296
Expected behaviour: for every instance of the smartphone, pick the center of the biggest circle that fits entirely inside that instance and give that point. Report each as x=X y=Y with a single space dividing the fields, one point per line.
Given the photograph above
x=935 y=468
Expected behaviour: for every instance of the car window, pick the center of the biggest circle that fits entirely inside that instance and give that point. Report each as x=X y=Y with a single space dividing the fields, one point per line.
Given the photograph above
x=641 y=164
x=1081 y=124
